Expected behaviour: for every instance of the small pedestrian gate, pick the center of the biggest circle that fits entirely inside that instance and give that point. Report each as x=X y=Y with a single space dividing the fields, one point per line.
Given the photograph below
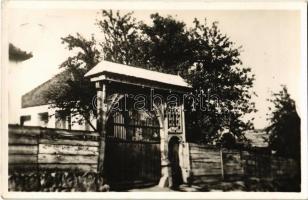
x=132 y=149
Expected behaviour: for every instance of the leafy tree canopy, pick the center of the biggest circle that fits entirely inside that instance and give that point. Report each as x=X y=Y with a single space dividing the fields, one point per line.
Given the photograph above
x=219 y=77
x=74 y=93
x=202 y=54
x=284 y=128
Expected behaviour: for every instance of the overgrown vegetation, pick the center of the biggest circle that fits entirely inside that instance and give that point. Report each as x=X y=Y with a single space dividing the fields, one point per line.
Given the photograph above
x=55 y=180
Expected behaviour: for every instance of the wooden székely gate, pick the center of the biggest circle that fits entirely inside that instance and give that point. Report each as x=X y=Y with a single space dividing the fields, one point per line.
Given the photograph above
x=132 y=149
x=134 y=143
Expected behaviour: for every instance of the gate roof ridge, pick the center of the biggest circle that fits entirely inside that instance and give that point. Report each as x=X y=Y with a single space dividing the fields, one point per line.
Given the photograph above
x=105 y=67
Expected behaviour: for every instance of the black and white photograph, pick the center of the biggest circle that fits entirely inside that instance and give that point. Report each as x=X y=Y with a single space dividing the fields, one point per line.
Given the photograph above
x=172 y=98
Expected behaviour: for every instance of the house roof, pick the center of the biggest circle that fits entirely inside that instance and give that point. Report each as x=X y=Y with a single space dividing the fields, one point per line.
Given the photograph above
x=36 y=96
x=258 y=138
x=136 y=72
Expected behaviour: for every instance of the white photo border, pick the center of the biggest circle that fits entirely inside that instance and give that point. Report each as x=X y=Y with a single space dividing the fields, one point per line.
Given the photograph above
x=150 y=5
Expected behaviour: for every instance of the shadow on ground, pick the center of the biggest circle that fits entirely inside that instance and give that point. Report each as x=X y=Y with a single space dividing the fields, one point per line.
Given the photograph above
x=249 y=185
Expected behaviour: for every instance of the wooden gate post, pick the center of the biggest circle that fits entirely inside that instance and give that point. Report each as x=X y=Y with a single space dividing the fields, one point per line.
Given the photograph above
x=101 y=123
x=165 y=164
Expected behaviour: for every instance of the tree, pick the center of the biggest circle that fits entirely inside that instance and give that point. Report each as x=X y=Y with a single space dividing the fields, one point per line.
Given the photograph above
x=219 y=76
x=167 y=45
x=73 y=94
x=163 y=46
x=121 y=38
x=284 y=128
x=18 y=55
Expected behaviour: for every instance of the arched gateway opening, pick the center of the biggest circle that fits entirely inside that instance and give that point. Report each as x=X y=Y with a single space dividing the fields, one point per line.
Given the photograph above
x=173 y=155
x=133 y=154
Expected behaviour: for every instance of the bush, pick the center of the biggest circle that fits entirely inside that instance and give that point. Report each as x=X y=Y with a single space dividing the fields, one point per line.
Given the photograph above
x=56 y=181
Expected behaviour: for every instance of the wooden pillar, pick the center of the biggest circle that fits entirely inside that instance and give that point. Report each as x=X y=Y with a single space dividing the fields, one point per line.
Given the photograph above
x=183 y=122
x=165 y=164
x=101 y=123
x=184 y=150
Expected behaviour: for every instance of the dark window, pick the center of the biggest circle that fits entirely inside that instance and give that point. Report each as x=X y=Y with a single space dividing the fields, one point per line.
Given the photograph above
x=62 y=120
x=43 y=119
x=24 y=119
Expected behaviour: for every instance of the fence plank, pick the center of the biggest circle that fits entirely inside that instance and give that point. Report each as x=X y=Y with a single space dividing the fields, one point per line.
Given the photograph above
x=82 y=167
x=26 y=167
x=206 y=160
x=207 y=171
x=69 y=142
x=23 y=149
x=69 y=133
x=206 y=179
x=209 y=152
x=47 y=158
x=19 y=159
x=22 y=139
x=67 y=149
x=205 y=164
x=23 y=130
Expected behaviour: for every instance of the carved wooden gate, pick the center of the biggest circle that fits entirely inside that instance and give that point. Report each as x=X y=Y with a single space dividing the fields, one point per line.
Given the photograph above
x=132 y=155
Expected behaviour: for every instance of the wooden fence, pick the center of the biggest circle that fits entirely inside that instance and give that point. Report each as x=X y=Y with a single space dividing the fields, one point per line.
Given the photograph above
x=205 y=163
x=44 y=148
x=210 y=164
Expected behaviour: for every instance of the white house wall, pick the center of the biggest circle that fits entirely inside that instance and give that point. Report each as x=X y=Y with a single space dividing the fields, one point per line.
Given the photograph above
x=34 y=113
x=35 y=119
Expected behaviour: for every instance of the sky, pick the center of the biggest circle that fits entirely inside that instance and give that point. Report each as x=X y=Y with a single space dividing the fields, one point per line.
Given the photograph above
x=270 y=41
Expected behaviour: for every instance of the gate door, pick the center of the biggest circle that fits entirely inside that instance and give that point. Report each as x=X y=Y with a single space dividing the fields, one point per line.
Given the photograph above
x=132 y=149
